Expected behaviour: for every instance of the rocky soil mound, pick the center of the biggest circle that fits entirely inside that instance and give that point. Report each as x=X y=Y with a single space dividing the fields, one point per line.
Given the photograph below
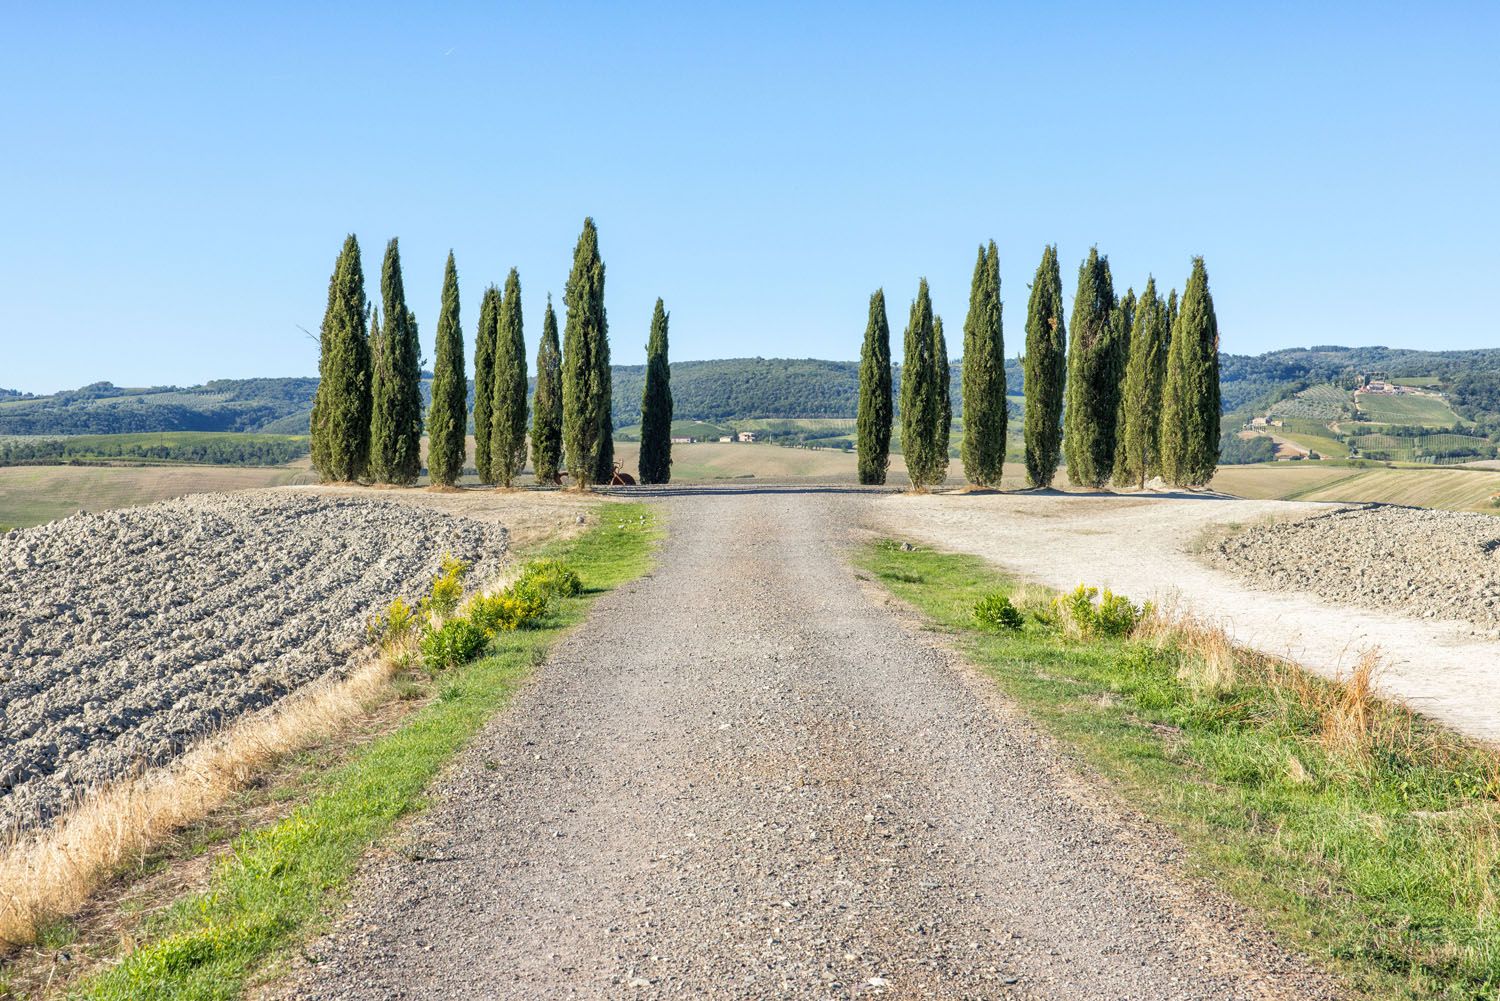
x=126 y=635
x=1407 y=561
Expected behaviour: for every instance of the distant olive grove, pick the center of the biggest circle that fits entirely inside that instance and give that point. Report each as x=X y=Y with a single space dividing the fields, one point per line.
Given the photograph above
x=367 y=420
x=1131 y=394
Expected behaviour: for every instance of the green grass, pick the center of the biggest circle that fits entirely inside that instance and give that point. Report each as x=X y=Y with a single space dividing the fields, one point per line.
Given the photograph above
x=276 y=886
x=1382 y=863
x=1431 y=411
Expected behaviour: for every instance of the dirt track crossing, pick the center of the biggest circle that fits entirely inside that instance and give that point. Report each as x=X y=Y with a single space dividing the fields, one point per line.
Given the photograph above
x=749 y=777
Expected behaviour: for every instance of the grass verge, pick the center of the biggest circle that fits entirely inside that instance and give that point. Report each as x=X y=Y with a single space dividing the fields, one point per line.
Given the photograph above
x=273 y=889
x=1368 y=837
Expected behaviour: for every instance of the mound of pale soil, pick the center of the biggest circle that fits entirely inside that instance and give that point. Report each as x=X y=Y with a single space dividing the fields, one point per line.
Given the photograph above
x=1407 y=561
x=126 y=635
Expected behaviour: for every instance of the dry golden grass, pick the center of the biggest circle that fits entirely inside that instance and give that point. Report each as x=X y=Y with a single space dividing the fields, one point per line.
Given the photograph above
x=49 y=875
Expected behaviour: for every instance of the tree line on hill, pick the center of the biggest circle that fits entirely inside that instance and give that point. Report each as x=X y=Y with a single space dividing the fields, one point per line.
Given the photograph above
x=222 y=449
x=1132 y=394
x=367 y=416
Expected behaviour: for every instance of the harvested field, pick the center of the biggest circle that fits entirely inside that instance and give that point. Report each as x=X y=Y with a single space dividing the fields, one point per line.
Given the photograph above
x=32 y=495
x=129 y=635
x=1429 y=564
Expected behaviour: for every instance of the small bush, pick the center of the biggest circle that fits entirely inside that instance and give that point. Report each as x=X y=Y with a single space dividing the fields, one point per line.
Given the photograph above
x=994 y=611
x=553 y=577
x=1085 y=612
x=506 y=611
x=391 y=627
x=447 y=588
x=453 y=643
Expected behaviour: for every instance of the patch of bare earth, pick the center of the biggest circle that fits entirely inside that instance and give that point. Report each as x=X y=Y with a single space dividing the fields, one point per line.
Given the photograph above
x=1156 y=546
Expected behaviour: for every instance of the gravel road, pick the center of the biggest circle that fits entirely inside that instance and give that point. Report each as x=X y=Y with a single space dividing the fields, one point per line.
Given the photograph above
x=749 y=776
x=126 y=636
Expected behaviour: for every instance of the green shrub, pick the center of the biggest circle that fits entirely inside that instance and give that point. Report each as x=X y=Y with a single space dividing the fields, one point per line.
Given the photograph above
x=1085 y=613
x=994 y=611
x=390 y=628
x=553 y=577
x=447 y=588
x=455 y=642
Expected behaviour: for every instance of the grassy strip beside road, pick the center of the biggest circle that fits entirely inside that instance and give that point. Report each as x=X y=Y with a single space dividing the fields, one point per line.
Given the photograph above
x=274 y=888
x=1368 y=837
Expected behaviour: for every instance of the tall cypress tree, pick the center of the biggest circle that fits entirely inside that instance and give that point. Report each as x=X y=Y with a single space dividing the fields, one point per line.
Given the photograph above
x=983 y=375
x=1121 y=322
x=587 y=443
x=486 y=336
x=546 y=405
x=1093 y=391
x=396 y=405
x=508 y=424
x=656 y=404
x=604 y=468
x=922 y=398
x=943 y=379
x=1137 y=455
x=1190 y=404
x=341 y=407
x=1045 y=371
x=448 y=417
x=873 y=419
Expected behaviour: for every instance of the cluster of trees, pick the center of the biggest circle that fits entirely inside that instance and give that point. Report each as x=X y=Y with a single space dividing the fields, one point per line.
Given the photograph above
x=1131 y=394
x=229 y=449
x=367 y=419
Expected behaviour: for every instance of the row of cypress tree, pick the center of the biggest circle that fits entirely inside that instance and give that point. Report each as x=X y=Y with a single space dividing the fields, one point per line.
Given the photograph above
x=367 y=420
x=1132 y=395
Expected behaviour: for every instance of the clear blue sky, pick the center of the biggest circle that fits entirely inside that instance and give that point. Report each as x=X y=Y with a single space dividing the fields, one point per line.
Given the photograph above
x=177 y=180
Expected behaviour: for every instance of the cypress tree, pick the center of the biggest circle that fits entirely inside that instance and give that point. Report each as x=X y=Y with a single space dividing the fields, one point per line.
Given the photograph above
x=604 y=469
x=448 y=418
x=873 y=421
x=922 y=399
x=486 y=336
x=943 y=379
x=341 y=406
x=585 y=366
x=1121 y=321
x=1045 y=371
x=546 y=406
x=1190 y=404
x=983 y=375
x=508 y=423
x=1137 y=453
x=396 y=408
x=656 y=404
x=1093 y=391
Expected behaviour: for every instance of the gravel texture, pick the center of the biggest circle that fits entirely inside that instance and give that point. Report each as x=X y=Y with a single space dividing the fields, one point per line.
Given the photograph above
x=748 y=776
x=1410 y=561
x=126 y=635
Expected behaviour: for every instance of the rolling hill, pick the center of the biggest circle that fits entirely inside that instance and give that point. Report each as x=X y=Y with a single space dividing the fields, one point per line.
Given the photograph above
x=739 y=389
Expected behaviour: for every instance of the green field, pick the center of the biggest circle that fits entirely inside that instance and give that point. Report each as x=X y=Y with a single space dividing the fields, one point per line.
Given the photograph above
x=701 y=430
x=1408 y=409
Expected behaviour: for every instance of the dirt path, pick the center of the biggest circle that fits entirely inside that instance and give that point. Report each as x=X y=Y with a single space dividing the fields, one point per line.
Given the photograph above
x=1142 y=546
x=748 y=778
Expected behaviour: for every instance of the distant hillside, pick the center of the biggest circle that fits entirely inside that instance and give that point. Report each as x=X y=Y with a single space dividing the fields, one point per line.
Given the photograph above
x=104 y=408
x=733 y=389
